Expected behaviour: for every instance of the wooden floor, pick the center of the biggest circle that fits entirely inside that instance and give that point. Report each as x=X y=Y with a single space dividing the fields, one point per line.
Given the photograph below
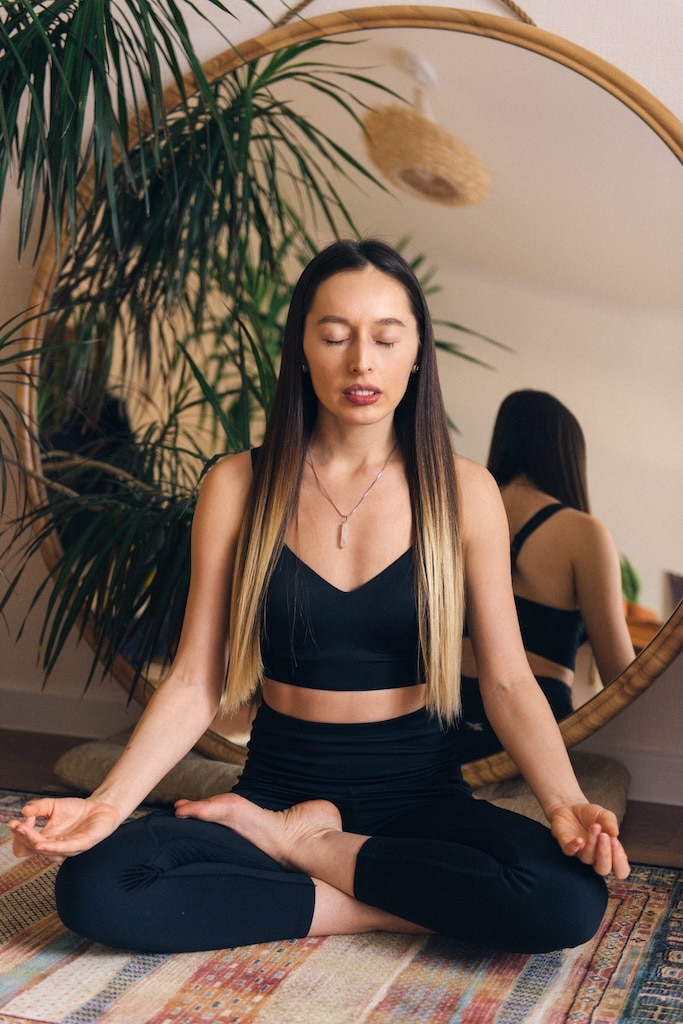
x=26 y=760
x=651 y=833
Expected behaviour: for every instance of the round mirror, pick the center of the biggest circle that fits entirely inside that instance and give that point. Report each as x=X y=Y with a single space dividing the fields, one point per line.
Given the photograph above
x=574 y=236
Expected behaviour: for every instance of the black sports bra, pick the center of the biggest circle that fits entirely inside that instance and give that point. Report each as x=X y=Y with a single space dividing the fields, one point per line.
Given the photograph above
x=553 y=633
x=319 y=637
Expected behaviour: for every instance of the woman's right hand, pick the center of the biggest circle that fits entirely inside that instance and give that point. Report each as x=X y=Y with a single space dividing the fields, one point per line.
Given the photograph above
x=68 y=825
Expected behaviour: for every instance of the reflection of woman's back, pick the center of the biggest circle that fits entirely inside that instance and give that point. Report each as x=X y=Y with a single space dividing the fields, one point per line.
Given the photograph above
x=565 y=567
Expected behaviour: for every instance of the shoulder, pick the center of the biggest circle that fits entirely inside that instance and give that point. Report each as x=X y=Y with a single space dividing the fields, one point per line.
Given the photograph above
x=582 y=526
x=591 y=537
x=224 y=488
x=584 y=541
x=229 y=471
x=479 y=497
x=475 y=483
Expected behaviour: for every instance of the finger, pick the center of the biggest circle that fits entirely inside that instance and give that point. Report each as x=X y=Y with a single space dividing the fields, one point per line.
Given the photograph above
x=25 y=830
x=572 y=845
x=60 y=845
x=24 y=838
x=566 y=834
x=15 y=823
x=59 y=848
x=21 y=848
x=608 y=822
x=602 y=862
x=620 y=864
x=32 y=835
x=588 y=851
x=38 y=808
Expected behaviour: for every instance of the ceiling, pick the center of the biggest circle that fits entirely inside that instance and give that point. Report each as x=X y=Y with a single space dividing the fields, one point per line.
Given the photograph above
x=584 y=196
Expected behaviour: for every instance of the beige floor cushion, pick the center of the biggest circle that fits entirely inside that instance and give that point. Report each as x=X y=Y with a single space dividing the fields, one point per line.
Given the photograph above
x=603 y=780
x=194 y=777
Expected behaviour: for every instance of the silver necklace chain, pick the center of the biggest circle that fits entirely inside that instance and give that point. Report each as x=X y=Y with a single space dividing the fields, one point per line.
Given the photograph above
x=344 y=525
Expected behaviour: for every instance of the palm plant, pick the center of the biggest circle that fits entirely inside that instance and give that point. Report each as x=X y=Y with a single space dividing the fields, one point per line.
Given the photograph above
x=60 y=60
x=175 y=256
x=77 y=81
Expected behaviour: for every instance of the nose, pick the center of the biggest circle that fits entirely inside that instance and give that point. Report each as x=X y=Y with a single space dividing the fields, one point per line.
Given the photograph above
x=360 y=356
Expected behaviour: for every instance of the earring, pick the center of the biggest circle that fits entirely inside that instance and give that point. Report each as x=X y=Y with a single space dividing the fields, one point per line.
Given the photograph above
x=415 y=368
x=304 y=368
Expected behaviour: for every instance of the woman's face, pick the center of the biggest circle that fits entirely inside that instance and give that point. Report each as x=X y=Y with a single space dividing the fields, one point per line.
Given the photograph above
x=360 y=345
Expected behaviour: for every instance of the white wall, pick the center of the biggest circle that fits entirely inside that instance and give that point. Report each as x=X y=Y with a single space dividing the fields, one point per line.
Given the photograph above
x=638 y=493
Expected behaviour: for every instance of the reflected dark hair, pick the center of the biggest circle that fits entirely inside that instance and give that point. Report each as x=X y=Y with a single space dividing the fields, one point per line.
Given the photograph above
x=422 y=432
x=537 y=436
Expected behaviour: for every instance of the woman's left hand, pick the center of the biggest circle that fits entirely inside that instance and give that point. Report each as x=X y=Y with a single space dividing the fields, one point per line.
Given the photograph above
x=591 y=833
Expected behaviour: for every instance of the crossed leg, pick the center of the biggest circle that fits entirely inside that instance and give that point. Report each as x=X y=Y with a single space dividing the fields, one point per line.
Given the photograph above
x=308 y=838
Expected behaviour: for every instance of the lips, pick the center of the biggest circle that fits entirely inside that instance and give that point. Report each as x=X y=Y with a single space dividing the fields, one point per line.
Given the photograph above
x=362 y=394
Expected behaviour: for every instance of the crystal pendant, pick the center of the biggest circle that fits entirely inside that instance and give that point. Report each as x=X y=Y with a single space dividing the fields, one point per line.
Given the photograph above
x=344 y=534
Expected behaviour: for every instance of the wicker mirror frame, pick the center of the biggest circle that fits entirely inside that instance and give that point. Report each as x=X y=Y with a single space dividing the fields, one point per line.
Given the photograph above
x=667 y=644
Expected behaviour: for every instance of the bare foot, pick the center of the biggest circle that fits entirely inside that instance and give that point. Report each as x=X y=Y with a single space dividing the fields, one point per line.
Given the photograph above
x=289 y=836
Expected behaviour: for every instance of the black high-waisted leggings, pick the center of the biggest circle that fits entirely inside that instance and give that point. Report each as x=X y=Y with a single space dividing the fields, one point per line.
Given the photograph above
x=436 y=856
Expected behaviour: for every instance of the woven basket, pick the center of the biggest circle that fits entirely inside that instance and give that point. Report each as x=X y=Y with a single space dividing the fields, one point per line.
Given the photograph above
x=421 y=158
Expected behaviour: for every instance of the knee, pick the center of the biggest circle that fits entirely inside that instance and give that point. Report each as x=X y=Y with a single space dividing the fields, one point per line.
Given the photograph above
x=573 y=914
x=80 y=895
x=95 y=900
x=71 y=898
x=587 y=909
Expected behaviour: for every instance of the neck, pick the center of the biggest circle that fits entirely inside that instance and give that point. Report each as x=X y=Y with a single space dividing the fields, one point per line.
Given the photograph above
x=346 y=513
x=357 y=446
x=521 y=483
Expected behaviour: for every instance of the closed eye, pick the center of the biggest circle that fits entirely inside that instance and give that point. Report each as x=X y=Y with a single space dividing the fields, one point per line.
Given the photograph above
x=342 y=341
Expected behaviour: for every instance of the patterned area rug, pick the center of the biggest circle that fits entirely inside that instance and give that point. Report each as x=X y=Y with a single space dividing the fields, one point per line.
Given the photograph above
x=632 y=972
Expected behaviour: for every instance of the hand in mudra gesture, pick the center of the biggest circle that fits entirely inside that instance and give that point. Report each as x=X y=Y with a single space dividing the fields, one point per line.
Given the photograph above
x=591 y=833
x=69 y=826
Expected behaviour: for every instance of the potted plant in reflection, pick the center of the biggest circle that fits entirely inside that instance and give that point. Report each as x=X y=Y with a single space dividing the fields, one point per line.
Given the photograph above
x=643 y=622
x=155 y=349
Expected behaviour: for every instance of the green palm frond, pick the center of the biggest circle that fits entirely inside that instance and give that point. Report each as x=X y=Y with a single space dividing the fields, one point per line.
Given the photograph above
x=70 y=73
x=124 y=571
x=206 y=212
x=12 y=376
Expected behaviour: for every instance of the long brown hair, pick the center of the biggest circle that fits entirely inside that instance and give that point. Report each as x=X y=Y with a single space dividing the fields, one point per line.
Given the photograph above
x=535 y=435
x=422 y=433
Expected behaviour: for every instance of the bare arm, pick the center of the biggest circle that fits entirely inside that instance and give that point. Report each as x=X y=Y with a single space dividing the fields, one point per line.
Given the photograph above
x=515 y=705
x=597 y=578
x=186 y=701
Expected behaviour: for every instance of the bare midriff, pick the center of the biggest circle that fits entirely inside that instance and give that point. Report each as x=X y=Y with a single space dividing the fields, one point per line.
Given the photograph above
x=538 y=665
x=350 y=706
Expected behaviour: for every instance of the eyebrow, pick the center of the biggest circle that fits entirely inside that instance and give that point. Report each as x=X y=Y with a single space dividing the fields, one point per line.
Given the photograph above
x=385 y=321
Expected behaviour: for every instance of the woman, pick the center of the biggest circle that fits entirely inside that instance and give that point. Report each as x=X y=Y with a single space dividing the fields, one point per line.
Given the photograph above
x=565 y=568
x=342 y=545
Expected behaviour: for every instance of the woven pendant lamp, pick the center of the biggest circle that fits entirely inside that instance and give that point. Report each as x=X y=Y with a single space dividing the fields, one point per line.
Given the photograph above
x=418 y=156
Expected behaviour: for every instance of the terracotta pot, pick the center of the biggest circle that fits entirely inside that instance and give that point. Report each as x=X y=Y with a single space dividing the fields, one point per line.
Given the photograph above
x=638 y=613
